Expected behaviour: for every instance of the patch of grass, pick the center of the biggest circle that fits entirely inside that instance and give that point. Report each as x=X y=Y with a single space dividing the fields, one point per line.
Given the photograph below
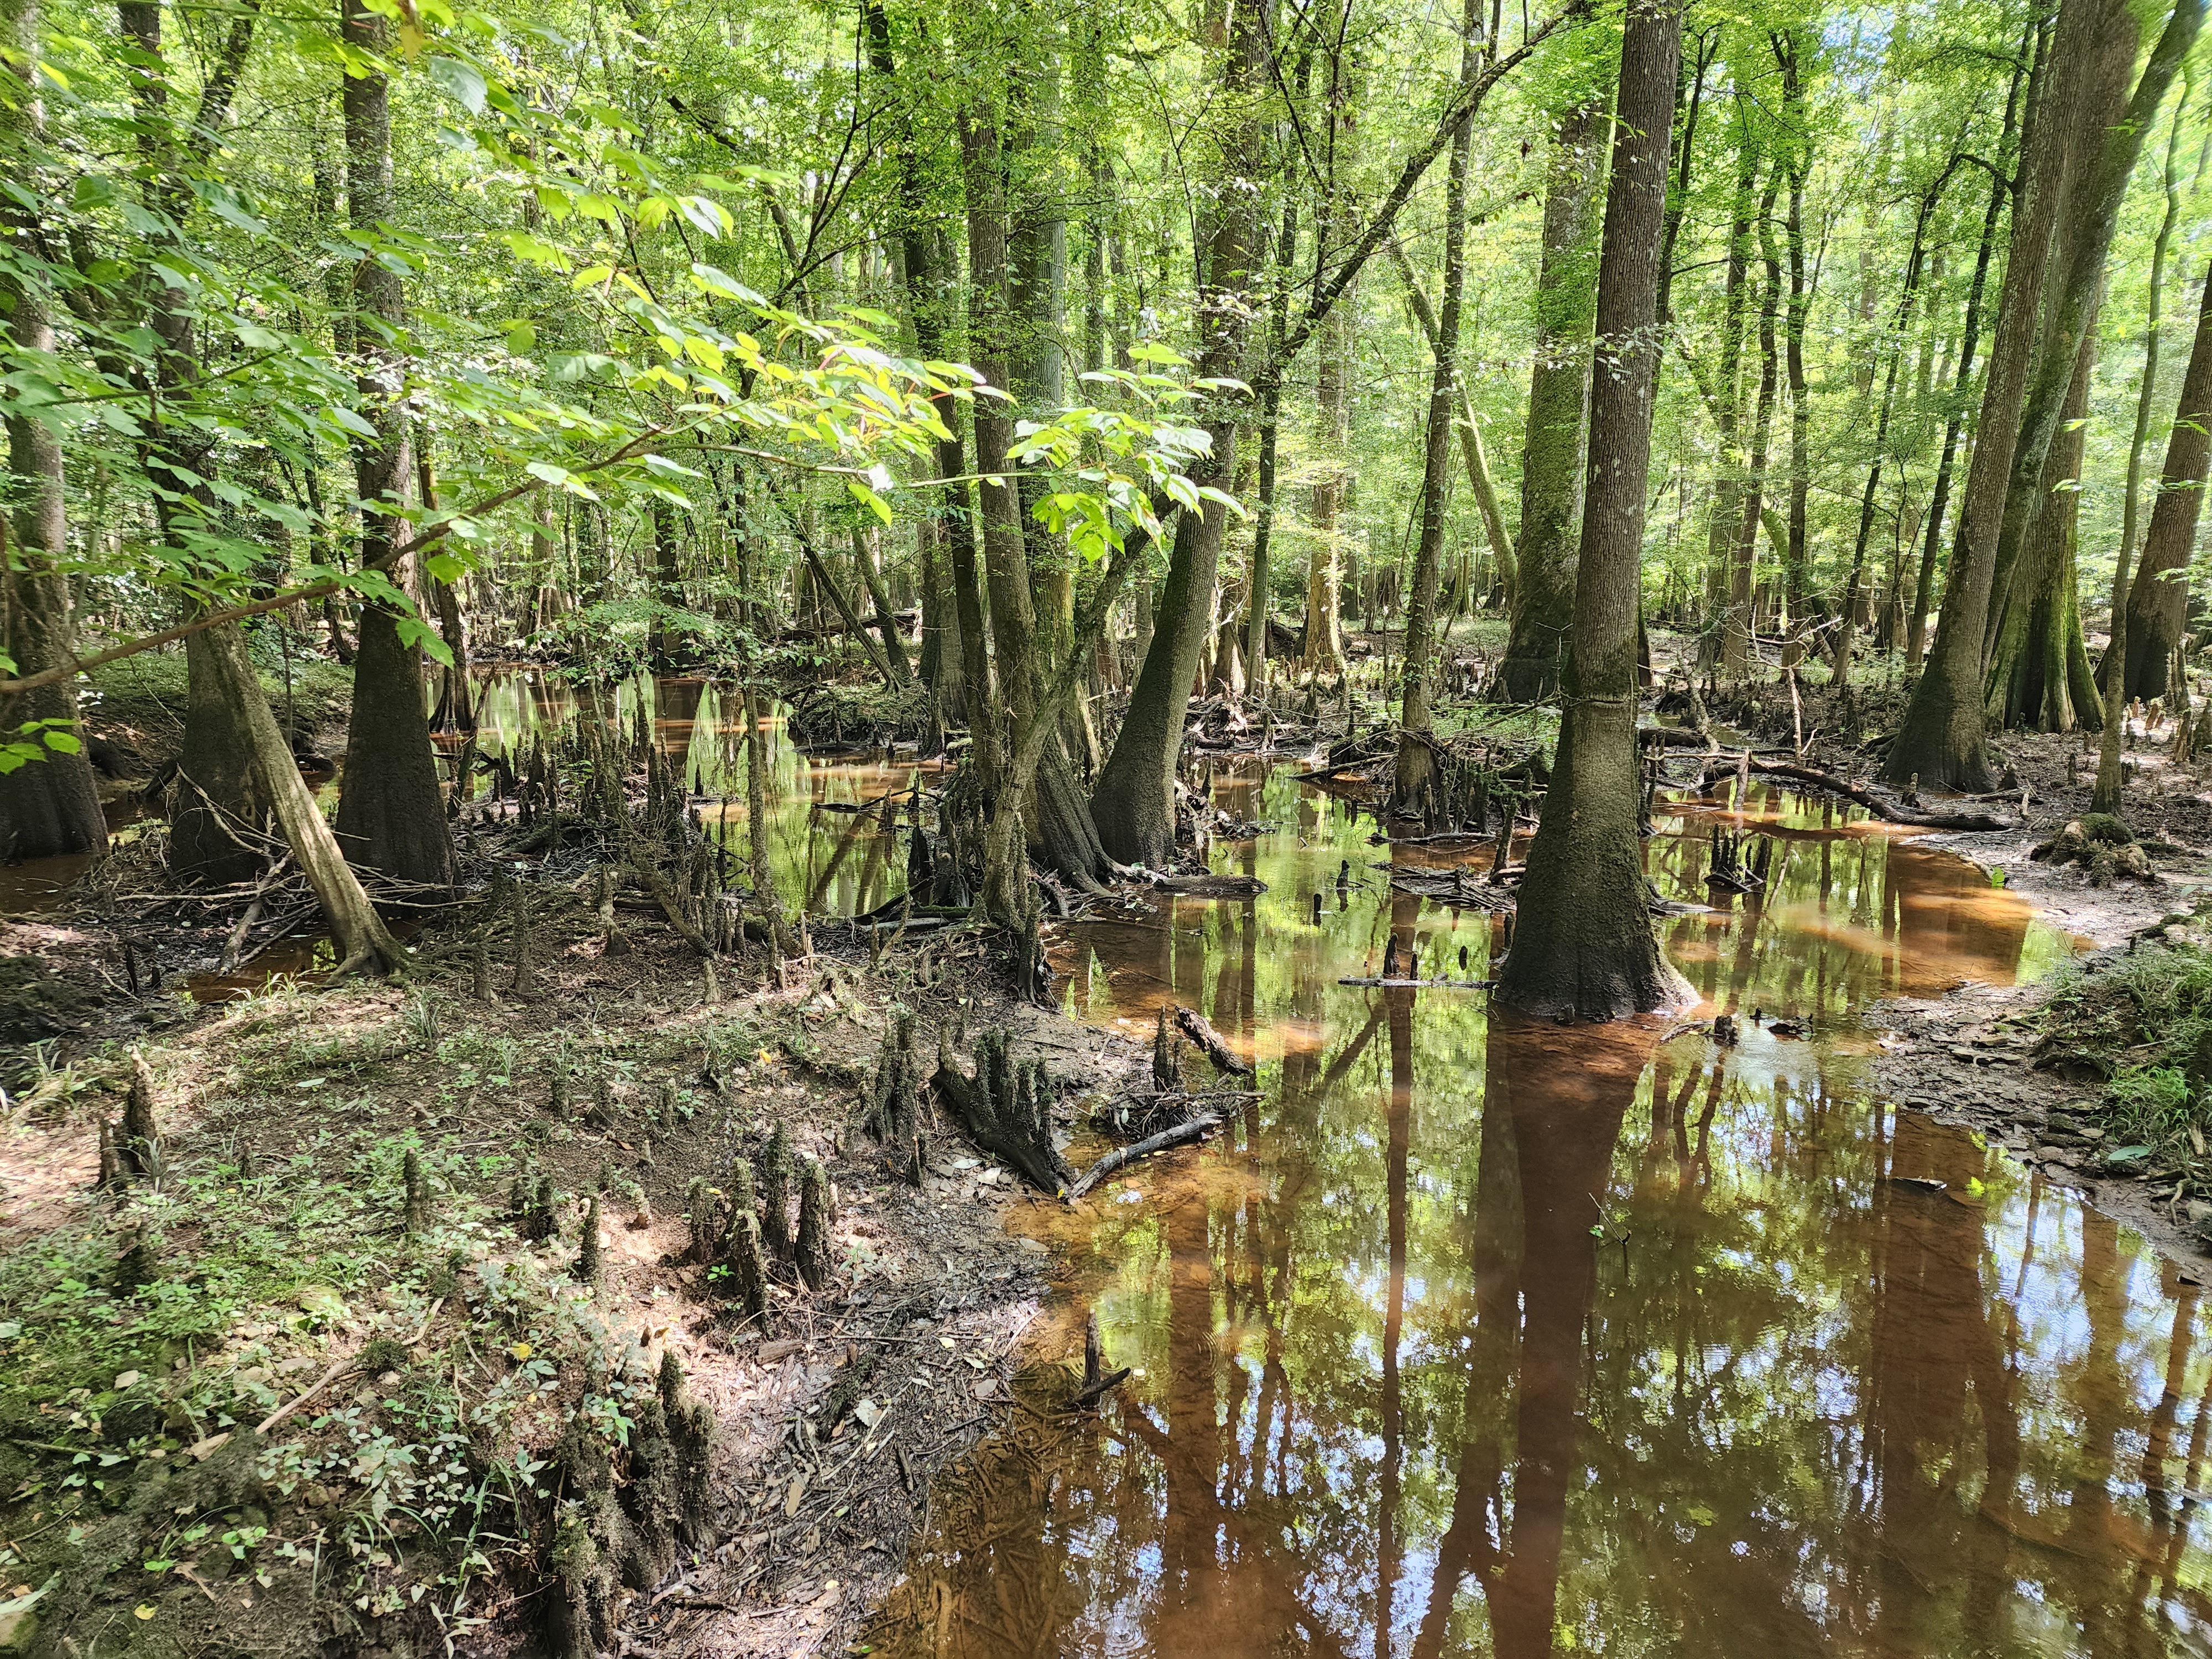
x=146 y=695
x=2145 y=1026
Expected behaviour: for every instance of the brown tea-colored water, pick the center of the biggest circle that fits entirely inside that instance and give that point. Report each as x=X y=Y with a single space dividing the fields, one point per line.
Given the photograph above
x=1480 y=1337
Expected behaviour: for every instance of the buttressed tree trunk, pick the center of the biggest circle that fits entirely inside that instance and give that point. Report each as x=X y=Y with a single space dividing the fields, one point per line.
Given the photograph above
x=1553 y=452
x=1134 y=801
x=2158 y=597
x=391 y=815
x=50 y=805
x=1584 y=945
x=1942 y=740
x=2040 y=673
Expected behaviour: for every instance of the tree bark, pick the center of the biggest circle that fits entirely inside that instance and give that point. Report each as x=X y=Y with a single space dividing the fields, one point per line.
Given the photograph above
x=50 y=805
x=1736 y=633
x=1584 y=945
x=391 y=813
x=215 y=796
x=1847 y=612
x=1554 y=449
x=2040 y=674
x=2158 y=597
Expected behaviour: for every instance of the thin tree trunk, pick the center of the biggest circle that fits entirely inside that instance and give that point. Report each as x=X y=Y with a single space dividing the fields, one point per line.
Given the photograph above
x=1737 y=640
x=1847 y=617
x=1416 y=758
x=1584 y=945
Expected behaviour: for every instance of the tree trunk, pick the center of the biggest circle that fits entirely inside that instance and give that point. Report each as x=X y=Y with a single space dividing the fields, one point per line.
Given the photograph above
x=1031 y=779
x=1416 y=762
x=1847 y=612
x=1736 y=641
x=1134 y=801
x=391 y=814
x=2131 y=521
x=215 y=797
x=2158 y=597
x=1324 y=642
x=1726 y=397
x=867 y=554
x=455 y=710
x=50 y=805
x=1584 y=945
x=1795 y=580
x=2033 y=667
x=1940 y=741
x=1916 y=629
x=1555 y=447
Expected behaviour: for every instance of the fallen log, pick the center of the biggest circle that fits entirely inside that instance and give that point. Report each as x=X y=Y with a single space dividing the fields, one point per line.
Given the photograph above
x=1209 y=886
x=1881 y=807
x=1200 y=1030
x=1432 y=984
x=1121 y=1158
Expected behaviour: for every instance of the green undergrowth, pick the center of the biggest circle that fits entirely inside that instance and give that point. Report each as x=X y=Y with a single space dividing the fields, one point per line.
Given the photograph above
x=2141 y=1028
x=424 y=1492
x=145 y=696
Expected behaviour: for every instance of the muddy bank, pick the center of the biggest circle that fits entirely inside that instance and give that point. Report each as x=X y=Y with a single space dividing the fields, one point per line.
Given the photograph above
x=480 y=1222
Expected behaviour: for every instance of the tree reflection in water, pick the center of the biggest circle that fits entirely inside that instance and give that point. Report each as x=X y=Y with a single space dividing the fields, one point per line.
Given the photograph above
x=1481 y=1338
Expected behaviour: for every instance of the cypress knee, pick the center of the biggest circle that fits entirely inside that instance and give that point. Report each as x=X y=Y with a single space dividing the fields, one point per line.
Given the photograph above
x=812 y=1250
x=776 y=1195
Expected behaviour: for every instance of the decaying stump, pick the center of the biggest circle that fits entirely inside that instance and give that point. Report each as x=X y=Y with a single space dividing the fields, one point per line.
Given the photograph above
x=1200 y=1030
x=556 y=1093
x=744 y=1278
x=700 y=1214
x=811 y=1253
x=534 y=1215
x=691 y=1433
x=1005 y=1109
x=1735 y=868
x=526 y=967
x=1096 y=1379
x=2101 y=843
x=110 y=1160
x=1167 y=1075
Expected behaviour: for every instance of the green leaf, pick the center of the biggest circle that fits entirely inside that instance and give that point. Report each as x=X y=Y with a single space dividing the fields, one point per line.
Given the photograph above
x=463 y=83
x=869 y=499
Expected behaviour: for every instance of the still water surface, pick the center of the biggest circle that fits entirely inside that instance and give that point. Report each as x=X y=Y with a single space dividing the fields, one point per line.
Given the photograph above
x=1483 y=1337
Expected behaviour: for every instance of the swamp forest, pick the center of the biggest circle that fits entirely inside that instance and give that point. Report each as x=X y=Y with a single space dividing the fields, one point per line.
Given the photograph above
x=1222 y=829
